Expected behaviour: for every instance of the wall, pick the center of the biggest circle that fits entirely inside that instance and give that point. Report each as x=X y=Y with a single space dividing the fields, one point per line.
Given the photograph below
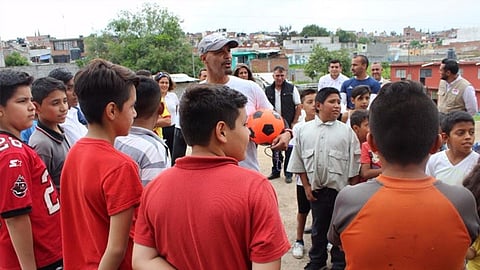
x=38 y=71
x=267 y=65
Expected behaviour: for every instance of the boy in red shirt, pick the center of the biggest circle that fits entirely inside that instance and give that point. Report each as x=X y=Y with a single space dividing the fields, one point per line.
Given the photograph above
x=29 y=207
x=207 y=212
x=101 y=186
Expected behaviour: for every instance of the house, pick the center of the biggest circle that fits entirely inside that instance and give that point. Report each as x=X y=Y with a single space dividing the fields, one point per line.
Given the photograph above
x=66 y=50
x=428 y=74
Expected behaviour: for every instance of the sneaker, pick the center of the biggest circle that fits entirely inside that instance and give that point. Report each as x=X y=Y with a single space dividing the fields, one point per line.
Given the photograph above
x=297 y=250
x=273 y=176
x=288 y=179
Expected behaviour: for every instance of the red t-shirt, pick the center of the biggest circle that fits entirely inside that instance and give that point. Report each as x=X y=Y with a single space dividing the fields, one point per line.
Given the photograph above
x=97 y=182
x=26 y=188
x=209 y=213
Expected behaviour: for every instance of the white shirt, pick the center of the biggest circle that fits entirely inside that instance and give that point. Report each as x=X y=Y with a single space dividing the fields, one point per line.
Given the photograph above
x=172 y=102
x=74 y=130
x=256 y=99
x=440 y=167
x=278 y=101
x=328 y=81
x=328 y=152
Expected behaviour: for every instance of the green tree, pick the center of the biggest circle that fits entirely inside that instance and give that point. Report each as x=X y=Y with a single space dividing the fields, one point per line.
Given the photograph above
x=364 y=40
x=16 y=59
x=285 y=33
x=319 y=60
x=150 y=38
x=345 y=37
x=314 y=30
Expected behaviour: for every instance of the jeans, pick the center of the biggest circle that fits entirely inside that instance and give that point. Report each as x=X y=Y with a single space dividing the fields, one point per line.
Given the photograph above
x=322 y=210
x=277 y=160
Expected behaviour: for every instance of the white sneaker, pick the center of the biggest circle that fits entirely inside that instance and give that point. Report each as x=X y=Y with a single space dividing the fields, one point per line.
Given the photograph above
x=297 y=250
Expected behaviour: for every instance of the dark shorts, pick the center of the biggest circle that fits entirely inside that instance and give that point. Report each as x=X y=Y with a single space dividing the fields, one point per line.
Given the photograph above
x=302 y=201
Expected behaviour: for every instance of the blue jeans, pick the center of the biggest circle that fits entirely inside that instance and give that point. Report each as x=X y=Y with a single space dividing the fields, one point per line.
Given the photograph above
x=277 y=160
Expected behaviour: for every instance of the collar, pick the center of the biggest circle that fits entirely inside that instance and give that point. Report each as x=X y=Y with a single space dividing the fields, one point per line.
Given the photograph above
x=319 y=122
x=55 y=136
x=454 y=81
x=135 y=130
x=204 y=162
x=11 y=135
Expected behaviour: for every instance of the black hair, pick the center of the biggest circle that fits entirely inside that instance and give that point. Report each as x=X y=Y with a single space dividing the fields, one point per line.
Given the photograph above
x=334 y=61
x=171 y=83
x=148 y=97
x=202 y=106
x=61 y=74
x=360 y=90
x=307 y=92
x=363 y=58
x=357 y=117
x=453 y=118
x=472 y=183
x=441 y=117
x=42 y=87
x=450 y=65
x=10 y=80
x=323 y=94
x=403 y=121
x=240 y=66
x=144 y=72
x=100 y=83
x=200 y=72
x=280 y=68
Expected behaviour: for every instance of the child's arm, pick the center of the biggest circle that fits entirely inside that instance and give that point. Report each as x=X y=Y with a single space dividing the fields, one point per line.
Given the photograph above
x=148 y=258
x=275 y=265
x=20 y=231
x=307 y=187
x=471 y=253
x=366 y=172
x=117 y=239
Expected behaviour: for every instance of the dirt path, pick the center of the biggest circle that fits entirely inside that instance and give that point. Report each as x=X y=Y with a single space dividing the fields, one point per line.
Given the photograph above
x=288 y=209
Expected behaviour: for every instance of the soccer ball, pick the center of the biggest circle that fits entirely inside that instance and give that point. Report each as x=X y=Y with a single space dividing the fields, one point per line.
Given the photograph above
x=265 y=125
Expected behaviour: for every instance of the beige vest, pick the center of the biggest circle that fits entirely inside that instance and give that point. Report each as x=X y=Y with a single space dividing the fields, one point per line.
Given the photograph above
x=453 y=99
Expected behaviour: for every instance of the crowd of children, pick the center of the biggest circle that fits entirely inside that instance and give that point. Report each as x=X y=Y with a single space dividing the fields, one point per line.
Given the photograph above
x=367 y=176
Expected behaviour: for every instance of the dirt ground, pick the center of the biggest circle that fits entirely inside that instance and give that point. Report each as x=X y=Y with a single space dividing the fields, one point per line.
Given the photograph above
x=288 y=209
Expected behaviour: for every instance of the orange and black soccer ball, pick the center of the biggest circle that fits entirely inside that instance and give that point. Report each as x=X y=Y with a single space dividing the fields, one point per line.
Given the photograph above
x=265 y=125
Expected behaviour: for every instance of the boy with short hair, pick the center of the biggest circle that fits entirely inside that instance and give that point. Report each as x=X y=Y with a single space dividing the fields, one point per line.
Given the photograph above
x=75 y=125
x=225 y=216
x=100 y=185
x=142 y=144
x=452 y=165
x=359 y=124
x=408 y=219
x=29 y=207
x=360 y=99
x=326 y=156
x=308 y=106
x=48 y=139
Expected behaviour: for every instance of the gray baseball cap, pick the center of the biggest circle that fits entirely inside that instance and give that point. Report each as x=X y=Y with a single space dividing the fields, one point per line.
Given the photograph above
x=215 y=42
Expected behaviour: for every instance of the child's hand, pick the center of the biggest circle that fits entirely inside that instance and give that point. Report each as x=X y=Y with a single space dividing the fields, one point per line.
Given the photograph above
x=471 y=253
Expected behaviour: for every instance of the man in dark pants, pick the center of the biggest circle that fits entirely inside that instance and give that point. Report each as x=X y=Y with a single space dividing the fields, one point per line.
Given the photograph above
x=285 y=99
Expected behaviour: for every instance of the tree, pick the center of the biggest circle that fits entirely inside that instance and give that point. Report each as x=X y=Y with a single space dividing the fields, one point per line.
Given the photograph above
x=345 y=37
x=364 y=40
x=314 y=30
x=285 y=32
x=16 y=59
x=319 y=60
x=149 y=39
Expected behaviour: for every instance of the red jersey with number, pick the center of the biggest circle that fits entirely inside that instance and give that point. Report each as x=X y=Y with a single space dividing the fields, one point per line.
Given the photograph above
x=26 y=188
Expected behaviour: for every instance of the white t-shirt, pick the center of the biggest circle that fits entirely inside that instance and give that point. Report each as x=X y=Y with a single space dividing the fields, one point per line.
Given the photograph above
x=328 y=81
x=256 y=100
x=172 y=102
x=440 y=167
x=74 y=130
x=278 y=101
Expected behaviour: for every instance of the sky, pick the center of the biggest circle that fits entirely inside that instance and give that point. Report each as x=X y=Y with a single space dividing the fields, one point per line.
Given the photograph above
x=68 y=18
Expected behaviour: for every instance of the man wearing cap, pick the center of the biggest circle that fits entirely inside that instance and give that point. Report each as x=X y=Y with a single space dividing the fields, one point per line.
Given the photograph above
x=215 y=53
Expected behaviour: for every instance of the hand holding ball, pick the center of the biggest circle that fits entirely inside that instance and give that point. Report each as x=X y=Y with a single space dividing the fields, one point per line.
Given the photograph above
x=265 y=125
